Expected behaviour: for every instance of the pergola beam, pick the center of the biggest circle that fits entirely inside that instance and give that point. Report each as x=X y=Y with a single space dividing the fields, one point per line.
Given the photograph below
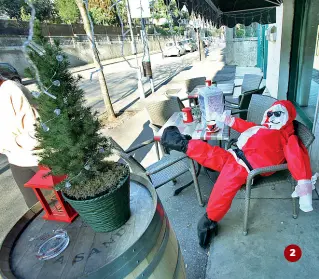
x=212 y=5
x=273 y=2
x=248 y=10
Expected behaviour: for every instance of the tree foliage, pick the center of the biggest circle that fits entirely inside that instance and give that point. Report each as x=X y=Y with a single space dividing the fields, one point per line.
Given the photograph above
x=67 y=10
x=11 y=7
x=101 y=12
x=98 y=16
x=242 y=31
x=73 y=145
x=158 y=9
x=25 y=16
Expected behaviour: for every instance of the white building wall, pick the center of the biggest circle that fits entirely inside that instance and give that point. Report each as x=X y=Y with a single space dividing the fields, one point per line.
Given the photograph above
x=279 y=52
x=272 y=80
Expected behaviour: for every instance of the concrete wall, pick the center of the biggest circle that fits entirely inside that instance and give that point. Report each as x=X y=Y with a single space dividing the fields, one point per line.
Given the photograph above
x=285 y=51
x=274 y=56
x=79 y=53
x=279 y=52
x=240 y=51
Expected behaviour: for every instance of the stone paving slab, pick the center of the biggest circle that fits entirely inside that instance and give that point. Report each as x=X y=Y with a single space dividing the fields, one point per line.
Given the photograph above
x=260 y=254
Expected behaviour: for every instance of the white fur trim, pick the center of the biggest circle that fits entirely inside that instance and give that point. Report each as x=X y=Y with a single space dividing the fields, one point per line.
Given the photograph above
x=243 y=138
x=239 y=161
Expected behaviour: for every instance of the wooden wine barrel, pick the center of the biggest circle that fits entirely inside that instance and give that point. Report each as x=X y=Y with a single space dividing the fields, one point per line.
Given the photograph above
x=145 y=247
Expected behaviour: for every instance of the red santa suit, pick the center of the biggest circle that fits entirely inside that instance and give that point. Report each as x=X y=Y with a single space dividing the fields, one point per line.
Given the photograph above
x=271 y=143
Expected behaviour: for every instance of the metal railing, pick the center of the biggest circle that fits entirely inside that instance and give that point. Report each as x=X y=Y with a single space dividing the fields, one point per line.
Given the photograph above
x=18 y=40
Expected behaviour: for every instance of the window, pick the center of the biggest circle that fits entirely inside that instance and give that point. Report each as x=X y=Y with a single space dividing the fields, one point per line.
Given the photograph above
x=304 y=70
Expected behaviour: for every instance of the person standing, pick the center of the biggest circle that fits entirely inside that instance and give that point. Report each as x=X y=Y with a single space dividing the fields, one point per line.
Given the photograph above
x=17 y=129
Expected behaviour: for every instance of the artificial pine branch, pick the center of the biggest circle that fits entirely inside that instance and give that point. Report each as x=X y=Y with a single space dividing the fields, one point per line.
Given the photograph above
x=73 y=139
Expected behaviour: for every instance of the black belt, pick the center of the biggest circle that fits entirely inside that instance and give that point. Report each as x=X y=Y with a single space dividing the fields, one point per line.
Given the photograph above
x=240 y=154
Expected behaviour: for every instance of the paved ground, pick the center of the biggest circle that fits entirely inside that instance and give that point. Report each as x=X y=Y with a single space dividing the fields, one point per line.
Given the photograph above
x=12 y=205
x=122 y=79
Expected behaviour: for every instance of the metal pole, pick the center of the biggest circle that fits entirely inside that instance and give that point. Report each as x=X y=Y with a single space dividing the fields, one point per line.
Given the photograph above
x=134 y=51
x=199 y=45
x=146 y=57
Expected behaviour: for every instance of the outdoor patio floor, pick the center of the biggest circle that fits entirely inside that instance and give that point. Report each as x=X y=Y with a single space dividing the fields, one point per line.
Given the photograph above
x=260 y=254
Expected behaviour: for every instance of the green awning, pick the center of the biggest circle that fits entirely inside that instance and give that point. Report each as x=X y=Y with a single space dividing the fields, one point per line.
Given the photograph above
x=231 y=12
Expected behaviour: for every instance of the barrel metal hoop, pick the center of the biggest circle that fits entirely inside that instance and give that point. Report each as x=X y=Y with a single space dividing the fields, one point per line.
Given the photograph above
x=177 y=269
x=153 y=264
x=128 y=261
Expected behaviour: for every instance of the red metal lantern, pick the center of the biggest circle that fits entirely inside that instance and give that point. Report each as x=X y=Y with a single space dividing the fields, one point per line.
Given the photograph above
x=60 y=211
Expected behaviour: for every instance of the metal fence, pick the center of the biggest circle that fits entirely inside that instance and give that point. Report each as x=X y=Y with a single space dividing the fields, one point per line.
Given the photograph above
x=20 y=28
x=18 y=40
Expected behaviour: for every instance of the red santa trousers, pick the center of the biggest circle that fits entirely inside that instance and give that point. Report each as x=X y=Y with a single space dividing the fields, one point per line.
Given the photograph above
x=232 y=176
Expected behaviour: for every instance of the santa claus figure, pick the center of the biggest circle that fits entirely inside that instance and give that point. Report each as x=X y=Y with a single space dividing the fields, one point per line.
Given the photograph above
x=273 y=142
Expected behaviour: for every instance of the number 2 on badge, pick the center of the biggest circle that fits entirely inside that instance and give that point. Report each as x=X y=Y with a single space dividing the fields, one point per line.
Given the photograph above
x=292 y=253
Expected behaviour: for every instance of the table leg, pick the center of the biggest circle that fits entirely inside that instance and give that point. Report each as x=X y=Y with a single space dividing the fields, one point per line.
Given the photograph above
x=157 y=150
x=195 y=173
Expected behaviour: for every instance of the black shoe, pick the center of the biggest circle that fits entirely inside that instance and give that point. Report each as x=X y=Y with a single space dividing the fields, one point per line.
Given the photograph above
x=206 y=228
x=172 y=139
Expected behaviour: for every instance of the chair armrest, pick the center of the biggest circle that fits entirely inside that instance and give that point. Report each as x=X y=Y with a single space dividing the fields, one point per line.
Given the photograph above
x=154 y=128
x=259 y=171
x=143 y=144
x=232 y=103
x=239 y=111
x=231 y=106
x=230 y=143
x=165 y=165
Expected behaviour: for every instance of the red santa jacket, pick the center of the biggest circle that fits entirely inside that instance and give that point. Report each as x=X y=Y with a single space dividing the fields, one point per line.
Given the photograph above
x=264 y=147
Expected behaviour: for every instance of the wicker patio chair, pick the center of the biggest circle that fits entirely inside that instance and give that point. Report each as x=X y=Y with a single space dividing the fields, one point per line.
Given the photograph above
x=159 y=112
x=258 y=105
x=190 y=84
x=244 y=101
x=250 y=82
x=255 y=112
x=165 y=170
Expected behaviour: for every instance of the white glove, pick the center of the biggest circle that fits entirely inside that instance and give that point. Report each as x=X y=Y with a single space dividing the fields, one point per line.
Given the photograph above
x=303 y=190
x=227 y=119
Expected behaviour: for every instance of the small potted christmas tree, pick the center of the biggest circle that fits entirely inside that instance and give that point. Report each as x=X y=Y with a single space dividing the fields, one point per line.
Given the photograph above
x=70 y=143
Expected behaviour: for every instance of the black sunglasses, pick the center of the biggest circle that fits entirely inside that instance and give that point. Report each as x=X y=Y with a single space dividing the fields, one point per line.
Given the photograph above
x=275 y=113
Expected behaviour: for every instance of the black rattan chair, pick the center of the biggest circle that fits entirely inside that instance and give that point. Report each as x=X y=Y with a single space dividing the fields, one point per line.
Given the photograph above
x=167 y=169
x=250 y=83
x=243 y=104
x=159 y=112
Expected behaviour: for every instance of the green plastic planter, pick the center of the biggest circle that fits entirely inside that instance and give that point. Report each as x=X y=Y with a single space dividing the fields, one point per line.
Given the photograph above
x=107 y=212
